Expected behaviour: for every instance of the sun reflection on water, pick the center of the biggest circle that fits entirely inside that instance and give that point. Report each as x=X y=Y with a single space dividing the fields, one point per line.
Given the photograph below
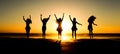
x=66 y=39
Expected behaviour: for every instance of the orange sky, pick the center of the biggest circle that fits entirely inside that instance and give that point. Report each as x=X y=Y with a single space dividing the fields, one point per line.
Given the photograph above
x=106 y=12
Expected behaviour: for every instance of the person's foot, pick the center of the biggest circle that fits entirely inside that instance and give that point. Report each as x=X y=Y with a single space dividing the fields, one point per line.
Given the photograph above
x=90 y=37
x=72 y=37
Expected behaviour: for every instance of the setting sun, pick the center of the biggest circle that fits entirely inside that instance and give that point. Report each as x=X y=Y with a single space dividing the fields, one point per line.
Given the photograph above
x=66 y=38
x=60 y=26
x=80 y=9
x=66 y=25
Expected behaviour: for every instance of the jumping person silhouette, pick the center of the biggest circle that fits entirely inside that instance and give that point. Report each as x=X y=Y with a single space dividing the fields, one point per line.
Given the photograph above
x=44 y=22
x=28 y=22
x=59 y=28
x=90 y=27
x=74 y=27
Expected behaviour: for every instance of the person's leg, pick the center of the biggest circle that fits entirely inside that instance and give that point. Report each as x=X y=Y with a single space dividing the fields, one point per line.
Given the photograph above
x=27 y=32
x=72 y=33
x=75 y=34
x=91 y=34
x=60 y=35
x=43 y=33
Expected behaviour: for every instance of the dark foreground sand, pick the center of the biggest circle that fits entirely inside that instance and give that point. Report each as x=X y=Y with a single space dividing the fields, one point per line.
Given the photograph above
x=49 y=46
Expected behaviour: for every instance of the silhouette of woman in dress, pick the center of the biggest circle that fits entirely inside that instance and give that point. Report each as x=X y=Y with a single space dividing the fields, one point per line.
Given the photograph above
x=28 y=22
x=59 y=28
x=90 y=27
x=44 y=22
x=74 y=27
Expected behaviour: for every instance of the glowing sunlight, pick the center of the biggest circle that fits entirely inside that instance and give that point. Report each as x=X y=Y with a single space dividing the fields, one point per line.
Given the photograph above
x=66 y=38
x=66 y=25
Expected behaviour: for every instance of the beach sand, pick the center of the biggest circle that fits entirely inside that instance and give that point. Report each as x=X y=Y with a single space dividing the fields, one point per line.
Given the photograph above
x=51 y=46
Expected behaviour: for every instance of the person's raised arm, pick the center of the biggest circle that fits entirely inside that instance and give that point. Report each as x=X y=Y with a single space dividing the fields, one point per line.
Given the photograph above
x=79 y=23
x=30 y=16
x=24 y=19
x=63 y=16
x=55 y=16
x=41 y=17
x=49 y=17
x=94 y=24
x=70 y=17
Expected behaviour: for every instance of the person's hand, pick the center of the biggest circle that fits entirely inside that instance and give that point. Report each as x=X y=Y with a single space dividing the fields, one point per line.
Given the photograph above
x=81 y=24
x=63 y=13
x=69 y=15
x=40 y=14
x=23 y=16
x=96 y=24
x=29 y=15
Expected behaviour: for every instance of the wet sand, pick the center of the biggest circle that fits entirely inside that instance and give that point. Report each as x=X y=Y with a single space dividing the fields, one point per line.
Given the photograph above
x=51 y=46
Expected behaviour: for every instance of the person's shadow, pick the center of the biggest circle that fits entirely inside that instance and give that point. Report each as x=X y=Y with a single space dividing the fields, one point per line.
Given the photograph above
x=57 y=47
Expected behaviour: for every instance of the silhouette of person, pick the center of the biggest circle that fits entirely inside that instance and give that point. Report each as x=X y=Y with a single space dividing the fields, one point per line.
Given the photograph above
x=28 y=22
x=90 y=27
x=74 y=27
x=44 y=22
x=59 y=28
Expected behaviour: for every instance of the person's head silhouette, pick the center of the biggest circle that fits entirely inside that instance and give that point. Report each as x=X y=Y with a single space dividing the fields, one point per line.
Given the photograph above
x=29 y=20
x=44 y=19
x=74 y=19
x=59 y=18
x=91 y=19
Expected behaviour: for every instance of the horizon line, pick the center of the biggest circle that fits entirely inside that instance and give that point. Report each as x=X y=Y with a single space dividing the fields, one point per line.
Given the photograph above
x=63 y=33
